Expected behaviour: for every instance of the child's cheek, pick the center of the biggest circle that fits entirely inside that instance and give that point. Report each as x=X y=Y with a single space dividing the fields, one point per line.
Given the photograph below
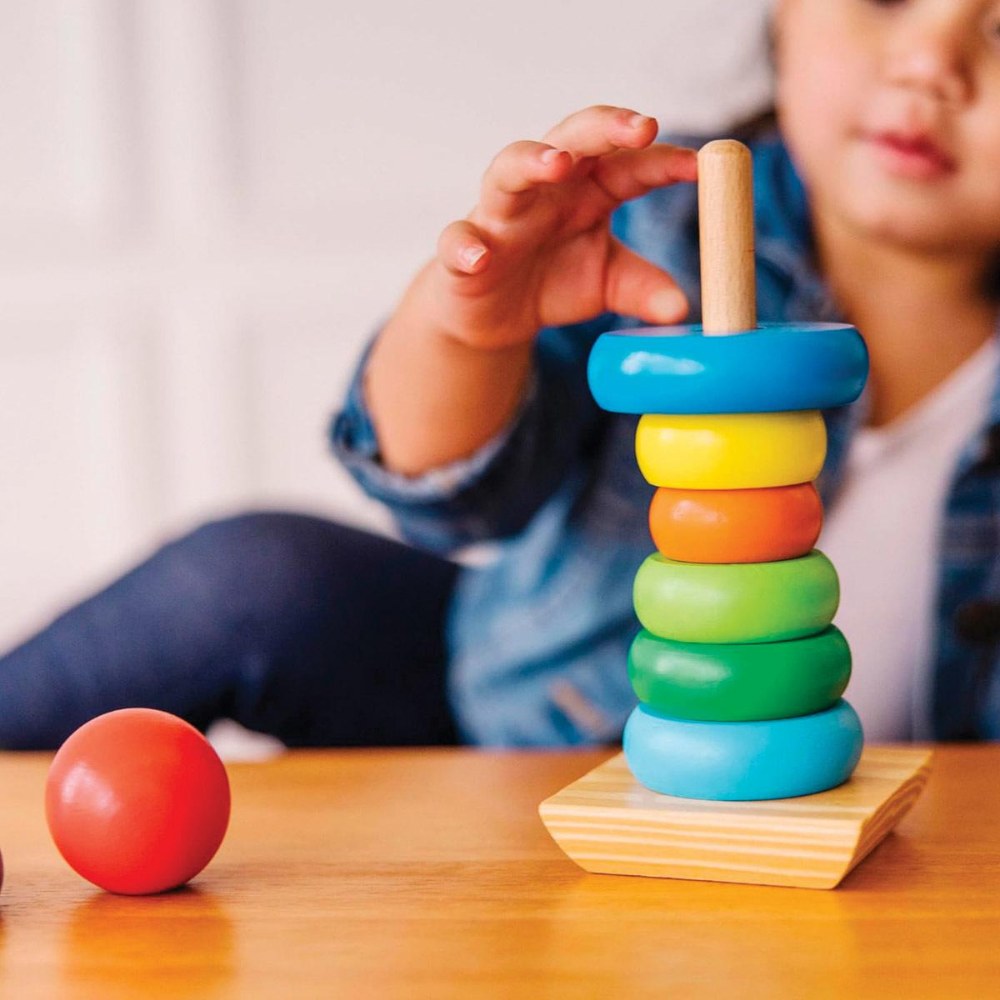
x=823 y=72
x=820 y=107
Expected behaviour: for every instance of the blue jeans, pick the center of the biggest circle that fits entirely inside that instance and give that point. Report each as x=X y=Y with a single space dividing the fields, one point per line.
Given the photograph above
x=315 y=633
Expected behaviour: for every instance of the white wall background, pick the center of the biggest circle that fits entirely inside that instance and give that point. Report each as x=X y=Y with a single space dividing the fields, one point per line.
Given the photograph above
x=205 y=205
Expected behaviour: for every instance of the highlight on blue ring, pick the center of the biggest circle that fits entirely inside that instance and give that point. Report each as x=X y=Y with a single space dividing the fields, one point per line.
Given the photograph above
x=744 y=761
x=774 y=368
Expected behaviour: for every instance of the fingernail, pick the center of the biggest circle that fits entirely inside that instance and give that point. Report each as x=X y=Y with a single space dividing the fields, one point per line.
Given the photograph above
x=668 y=303
x=470 y=256
x=548 y=155
x=637 y=121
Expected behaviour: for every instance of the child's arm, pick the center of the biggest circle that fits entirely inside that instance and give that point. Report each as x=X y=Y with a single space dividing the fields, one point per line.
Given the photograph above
x=449 y=369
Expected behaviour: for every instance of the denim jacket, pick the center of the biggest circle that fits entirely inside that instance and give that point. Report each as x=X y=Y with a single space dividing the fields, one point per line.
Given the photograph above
x=538 y=636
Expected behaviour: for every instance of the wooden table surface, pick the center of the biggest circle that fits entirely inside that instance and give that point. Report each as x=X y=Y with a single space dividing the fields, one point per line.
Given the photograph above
x=428 y=874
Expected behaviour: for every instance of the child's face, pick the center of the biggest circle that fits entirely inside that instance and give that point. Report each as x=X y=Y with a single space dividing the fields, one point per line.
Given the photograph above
x=891 y=109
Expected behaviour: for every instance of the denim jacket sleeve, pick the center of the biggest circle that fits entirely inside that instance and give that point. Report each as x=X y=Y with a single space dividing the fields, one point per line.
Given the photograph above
x=494 y=492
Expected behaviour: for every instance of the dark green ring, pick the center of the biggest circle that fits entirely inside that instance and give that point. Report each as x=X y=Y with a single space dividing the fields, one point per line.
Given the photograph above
x=739 y=682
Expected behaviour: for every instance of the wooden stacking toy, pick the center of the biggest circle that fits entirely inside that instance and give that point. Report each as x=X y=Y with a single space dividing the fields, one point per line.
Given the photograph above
x=741 y=762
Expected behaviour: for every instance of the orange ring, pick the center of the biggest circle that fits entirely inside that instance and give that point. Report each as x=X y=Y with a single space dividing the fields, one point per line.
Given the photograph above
x=736 y=526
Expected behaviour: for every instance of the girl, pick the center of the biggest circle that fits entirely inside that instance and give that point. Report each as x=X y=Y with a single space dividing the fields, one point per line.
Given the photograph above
x=877 y=201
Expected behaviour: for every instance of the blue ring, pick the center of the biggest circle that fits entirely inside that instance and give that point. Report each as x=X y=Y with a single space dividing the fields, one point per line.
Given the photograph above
x=742 y=761
x=777 y=367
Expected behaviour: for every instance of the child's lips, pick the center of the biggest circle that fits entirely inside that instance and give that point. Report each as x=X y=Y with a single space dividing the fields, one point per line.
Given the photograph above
x=914 y=155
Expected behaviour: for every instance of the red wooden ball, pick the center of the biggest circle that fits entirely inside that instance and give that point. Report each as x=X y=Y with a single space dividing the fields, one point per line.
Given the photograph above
x=137 y=801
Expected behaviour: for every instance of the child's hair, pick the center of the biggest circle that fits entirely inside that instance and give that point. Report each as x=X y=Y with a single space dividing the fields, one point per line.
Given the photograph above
x=991 y=280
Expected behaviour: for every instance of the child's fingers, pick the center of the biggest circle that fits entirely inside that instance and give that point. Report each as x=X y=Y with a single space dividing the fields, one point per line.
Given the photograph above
x=463 y=249
x=602 y=129
x=635 y=287
x=630 y=173
x=517 y=170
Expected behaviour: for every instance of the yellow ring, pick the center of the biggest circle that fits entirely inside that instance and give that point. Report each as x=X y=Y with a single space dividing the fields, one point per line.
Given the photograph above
x=731 y=451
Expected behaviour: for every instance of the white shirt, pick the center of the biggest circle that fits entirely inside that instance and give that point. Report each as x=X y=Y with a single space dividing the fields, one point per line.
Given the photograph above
x=882 y=535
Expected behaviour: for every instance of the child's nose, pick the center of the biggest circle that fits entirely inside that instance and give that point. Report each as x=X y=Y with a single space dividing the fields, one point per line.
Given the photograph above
x=930 y=56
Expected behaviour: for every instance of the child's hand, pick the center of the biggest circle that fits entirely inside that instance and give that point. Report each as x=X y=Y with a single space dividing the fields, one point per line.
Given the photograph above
x=450 y=366
x=537 y=249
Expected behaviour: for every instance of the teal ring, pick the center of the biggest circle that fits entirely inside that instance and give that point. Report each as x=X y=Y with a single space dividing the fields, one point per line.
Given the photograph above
x=744 y=761
x=776 y=367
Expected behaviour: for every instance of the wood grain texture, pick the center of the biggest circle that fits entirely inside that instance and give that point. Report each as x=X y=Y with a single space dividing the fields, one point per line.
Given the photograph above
x=609 y=823
x=429 y=874
x=725 y=227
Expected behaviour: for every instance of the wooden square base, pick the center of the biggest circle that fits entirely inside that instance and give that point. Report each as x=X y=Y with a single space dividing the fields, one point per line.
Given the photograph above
x=607 y=822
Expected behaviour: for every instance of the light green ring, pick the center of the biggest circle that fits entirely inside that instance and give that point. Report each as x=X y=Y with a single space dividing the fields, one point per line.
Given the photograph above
x=736 y=602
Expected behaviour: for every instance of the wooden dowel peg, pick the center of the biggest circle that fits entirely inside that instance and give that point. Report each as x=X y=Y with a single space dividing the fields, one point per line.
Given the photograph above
x=725 y=220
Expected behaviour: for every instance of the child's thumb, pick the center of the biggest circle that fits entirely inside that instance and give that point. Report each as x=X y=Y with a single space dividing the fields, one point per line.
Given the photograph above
x=635 y=287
